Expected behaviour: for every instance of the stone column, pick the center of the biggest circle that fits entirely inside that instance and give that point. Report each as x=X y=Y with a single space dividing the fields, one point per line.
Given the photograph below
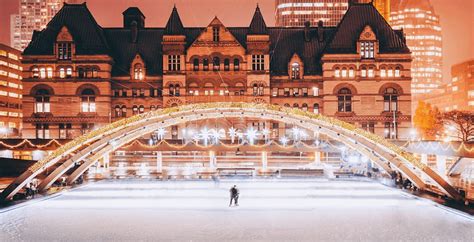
x=159 y=161
x=264 y=160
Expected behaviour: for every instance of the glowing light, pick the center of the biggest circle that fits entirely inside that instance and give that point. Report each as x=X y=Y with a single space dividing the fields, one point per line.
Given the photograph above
x=251 y=134
x=232 y=133
x=161 y=133
x=284 y=140
x=205 y=135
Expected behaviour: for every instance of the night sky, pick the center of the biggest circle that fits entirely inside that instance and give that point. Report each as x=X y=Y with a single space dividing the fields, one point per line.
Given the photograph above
x=457 y=18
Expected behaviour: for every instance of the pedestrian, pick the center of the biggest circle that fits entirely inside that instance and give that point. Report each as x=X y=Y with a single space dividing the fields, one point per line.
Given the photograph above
x=234 y=195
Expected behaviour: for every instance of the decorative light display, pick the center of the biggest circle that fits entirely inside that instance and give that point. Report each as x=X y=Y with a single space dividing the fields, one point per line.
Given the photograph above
x=232 y=134
x=284 y=140
x=161 y=132
x=251 y=135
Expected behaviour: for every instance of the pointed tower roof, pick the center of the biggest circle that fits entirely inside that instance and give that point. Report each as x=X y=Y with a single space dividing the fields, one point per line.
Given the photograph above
x=174 y=25
x=258 y=26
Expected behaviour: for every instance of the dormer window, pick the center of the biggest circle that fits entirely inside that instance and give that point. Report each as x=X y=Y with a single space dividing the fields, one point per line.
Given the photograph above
x=367 y=49
x=295 y=70
x=64 y=50
x=138 y=72
x=215 y=34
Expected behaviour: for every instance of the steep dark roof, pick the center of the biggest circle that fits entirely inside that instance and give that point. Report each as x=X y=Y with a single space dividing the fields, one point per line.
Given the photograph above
x=87 y=34
x=90 y=38
x=174 y=25
x=353 y=23
x=257 y=25
x=133 y=11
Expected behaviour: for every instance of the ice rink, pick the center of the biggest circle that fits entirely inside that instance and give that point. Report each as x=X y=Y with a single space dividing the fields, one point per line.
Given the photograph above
x=270 y=210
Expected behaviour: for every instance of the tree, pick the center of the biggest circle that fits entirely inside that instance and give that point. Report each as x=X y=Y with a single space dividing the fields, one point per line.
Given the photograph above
x=427 y=121
x=462 y=122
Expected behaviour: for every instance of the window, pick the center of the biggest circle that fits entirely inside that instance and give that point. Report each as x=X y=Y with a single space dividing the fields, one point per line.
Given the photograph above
x=296 y=92
x=216 y=62
x=196 y=64
x=275 y=92
x=88 y=101
x=65 y=131
x=383 y=72
x=295 y=71
x=304 y=107
x=42 y=131
x=226 y=64
x=295 y=105
x=390 y=100
x=85 y=128
x=286 y=92
x=95 y=72
x=390 y=72
x=304 y=91
x=124 y=92
x=391 y=130
x=81 y=72
x=138 y=72
x=215 y=34
x=344 y=72
x=171 y=90
x=62 y=73
x=35 y=72
x=315 y=91
x=351 y=72
x=142 y=92
x=42 y=104
x=118 y=111
x=64 y=51
x=205 y=64
x=68 y=72
x=49 y=72
x=316 y=108
x=370 y=127
x=124 y=111
x=337 y=72
x=134 y=92
x=236 y=64
x=141 y=109
x=371 y=72
x=258 y=62
x=174 y=62
x=363 y=72
x=258 y=89
x=344 y=100
x=135 y=109
x=367 y=49
x=152 y=92
x=397 y=71
x=176 y=90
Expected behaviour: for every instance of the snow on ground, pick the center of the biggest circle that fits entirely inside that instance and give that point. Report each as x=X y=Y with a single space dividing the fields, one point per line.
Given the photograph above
x=269 y=210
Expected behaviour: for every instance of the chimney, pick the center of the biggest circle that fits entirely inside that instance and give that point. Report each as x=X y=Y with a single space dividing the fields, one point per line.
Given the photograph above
x=307 y=36
x=320 y=31
x=133 y=31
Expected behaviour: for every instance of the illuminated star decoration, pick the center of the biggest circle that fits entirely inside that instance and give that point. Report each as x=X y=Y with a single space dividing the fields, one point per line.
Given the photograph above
x=205 y=135
x=251 y=134
x=296 y=132
x=161 y=133
x=266 y=134
x=284 y=140
x=232 y=134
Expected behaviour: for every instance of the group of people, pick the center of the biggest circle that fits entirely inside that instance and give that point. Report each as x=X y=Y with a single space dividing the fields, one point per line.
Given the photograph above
x=404 y=183
x=31 y=188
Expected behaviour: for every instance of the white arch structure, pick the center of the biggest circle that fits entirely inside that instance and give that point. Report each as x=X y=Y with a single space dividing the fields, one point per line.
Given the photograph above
x=86 y=150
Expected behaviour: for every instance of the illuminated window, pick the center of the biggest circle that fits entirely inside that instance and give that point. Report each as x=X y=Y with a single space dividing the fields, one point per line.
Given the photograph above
x=88 y=101
x=397 y=72
x=383 y=72
x=49 y=72
x=316 y=108
x=64 y=50
x=258 y=62
x=304 y=107
x=337 y=72
x=196 y=64
x=344 y=72
x=42 y=104
x=138 y=71
x=367 y=49
x=62 y=73
x=42 y=131
x=295 y=71
x=344 y=100
x=35 y=72
x=363 y=72
x=174 y=62
x=390 y=99
x=371 y=72
x=68 y=72
x=351 y=72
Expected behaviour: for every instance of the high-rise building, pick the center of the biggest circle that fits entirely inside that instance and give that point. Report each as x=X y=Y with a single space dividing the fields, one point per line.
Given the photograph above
x=382 y=5
x=33 y=15
x=459 y=93
x=10 y=91
x=291 y=13
x=422 y=27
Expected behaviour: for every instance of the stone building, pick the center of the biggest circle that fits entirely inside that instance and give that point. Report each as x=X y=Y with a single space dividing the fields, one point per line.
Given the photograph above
x=79 y=75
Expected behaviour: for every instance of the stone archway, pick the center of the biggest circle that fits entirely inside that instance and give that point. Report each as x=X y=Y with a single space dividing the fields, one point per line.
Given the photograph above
x=89 y=148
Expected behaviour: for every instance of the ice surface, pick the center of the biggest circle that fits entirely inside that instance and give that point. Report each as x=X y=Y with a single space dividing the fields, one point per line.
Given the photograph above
x=269 y=210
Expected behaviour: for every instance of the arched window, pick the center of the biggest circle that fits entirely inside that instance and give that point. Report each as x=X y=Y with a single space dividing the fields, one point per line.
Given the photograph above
x=49 y=72
x=138 y=72
x=344 y=72
x=135 y=109
x=196 y=64
x=226 y=64
x=287 y=105
x=363 y=71
x=255 y=89
x=68 y=72
x=118 y=111
x=344 y=100
x=171 y=90
x=62 y=72
x=258 y=89
x=205 y=64
x=351 y=72
x=390 y=100
x=88 y=101
x=216 y=62
x=383 y=72
x=152 y=108
x=295 y=70
x=296 y=105
x=81 y=72
x=316 y=108
x=176 y=90
x=236 y=64
x=124 y=111
x=42 y=72
x=371 y=72
x=141 y=109
x=337 y=72
x=42 y=104
x=35 y=72
x=304 y=107
x=390 y=72
x=397 y=71
x=95 y=72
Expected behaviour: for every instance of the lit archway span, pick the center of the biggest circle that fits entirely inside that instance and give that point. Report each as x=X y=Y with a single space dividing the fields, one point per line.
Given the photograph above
x=89 y=148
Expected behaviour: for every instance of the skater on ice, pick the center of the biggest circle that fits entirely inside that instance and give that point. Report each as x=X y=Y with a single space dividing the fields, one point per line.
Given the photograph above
x=234 y=195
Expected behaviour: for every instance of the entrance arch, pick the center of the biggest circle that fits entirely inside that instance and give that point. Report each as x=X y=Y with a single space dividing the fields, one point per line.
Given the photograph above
x=86 y=150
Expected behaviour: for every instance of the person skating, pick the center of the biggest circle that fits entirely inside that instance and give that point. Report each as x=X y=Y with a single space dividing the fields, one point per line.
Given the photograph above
x=234 y=195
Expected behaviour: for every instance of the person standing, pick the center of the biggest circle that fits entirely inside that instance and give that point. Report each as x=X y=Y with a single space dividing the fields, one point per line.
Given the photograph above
x=234 y=195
